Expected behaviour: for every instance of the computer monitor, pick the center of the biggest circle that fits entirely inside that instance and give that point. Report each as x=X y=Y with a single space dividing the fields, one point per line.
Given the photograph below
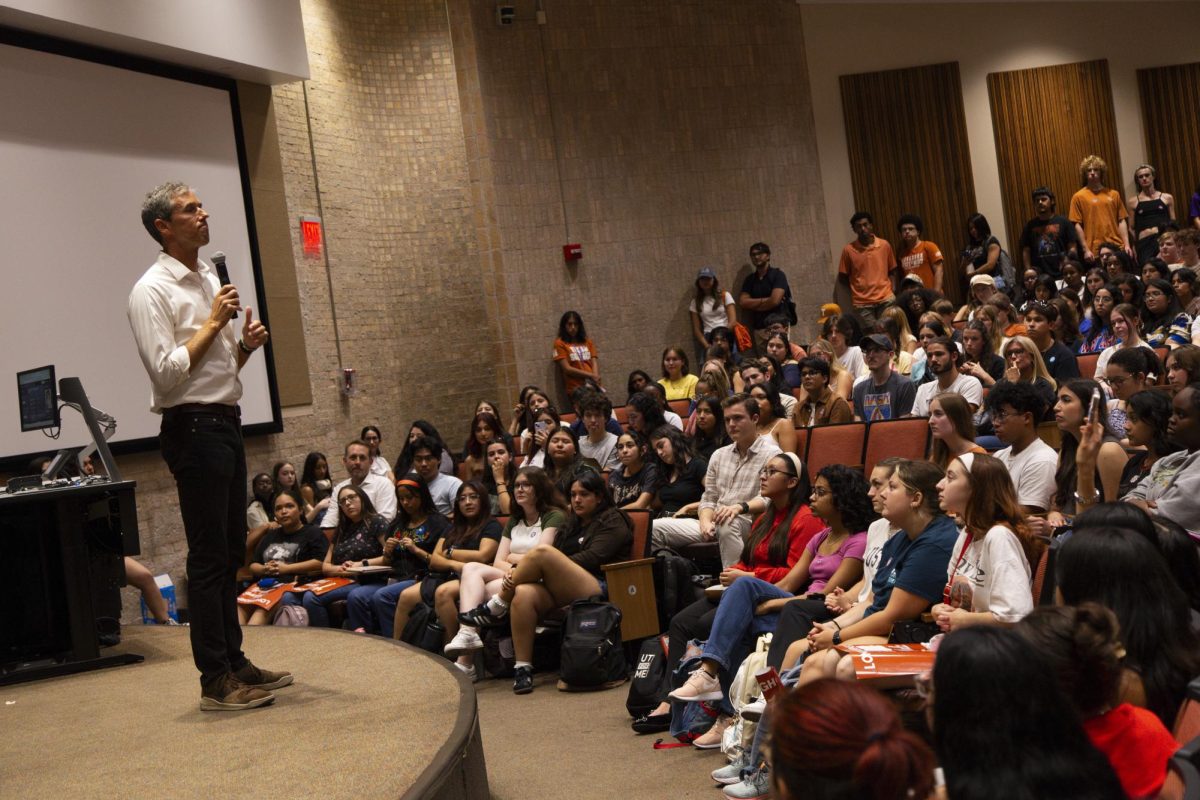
x=38 y=399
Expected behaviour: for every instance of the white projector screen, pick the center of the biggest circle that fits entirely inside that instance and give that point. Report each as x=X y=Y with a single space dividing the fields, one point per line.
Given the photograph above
x=81 y=143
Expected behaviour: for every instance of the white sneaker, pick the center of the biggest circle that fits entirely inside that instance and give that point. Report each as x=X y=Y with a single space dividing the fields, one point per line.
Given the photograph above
x=700 y=686
x=468 y=670
x=753 y=711
x=757 y=785
x=730 y=773
x=465 y=641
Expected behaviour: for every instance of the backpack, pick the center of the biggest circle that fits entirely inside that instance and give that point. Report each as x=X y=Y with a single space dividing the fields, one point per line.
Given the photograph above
x=690 y=720
x=498 y=657
x=646 y=685
x=292 y=617
x=591 y=650
x=673 y=585
x=424 y=629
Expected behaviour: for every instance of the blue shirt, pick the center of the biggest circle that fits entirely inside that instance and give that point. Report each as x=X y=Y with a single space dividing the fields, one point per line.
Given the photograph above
x=918 y=566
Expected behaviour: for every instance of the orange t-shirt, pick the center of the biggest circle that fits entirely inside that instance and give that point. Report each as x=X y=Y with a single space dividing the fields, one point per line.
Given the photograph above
x=580 y=356
x=1100 y=214
x=868 y=270
x=920 y=260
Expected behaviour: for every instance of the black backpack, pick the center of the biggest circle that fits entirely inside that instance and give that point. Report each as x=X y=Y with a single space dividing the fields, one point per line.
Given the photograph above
x=648 y=677
x=673 y=585
x=424 y=629
x=592 y=655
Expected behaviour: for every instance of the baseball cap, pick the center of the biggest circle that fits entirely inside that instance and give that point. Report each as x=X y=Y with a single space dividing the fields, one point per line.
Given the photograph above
x=828 y=310
x=879 y=340
x=706 y=272
x=913 y=277
x=983 y=279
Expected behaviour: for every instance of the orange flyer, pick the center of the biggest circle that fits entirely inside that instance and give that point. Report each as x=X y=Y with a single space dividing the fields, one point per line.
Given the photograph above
x=889 y=666
x=255 y=596
x=321 y=585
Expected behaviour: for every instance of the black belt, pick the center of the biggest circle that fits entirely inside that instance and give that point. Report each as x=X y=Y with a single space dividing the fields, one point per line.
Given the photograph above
x=234 y=412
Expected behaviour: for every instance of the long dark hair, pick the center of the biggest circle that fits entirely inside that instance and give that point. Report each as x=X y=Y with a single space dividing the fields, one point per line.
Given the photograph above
x=546 y=496
x=263 y=497
x=1064 y=475
x=1123 y=571
x=986 y=352
x=777 y=550
x=772 y=396
x=1152 y=321
x=345 y=526
x=556 y=422
x=510 y=472
x=849 y=492
x=637 y=373
x=648 y=407
x=309 y=476
x=404 y=461
x=580 y=337
x=982 y=228
x=716 y=293
x=1002 y=727
x=681 y=451
x=413 y=482
x=720 y=436
x=472 y=446
x=463 y=529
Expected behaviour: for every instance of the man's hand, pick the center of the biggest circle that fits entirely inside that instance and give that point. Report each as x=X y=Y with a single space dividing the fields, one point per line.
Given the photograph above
x=708 y=530
x=724 y=514
x=821 y=636
x=225 y=305
x=254 y=333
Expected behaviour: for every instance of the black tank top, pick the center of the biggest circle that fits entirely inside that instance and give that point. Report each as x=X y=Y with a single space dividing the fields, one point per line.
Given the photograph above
x=1151 y=214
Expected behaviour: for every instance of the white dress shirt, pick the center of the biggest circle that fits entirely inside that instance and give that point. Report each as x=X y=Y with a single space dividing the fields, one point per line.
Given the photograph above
x=168 y=305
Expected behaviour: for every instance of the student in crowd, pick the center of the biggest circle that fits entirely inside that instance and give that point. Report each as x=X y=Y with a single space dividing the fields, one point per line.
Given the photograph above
x=404 y=462
x=770 y=371
x=315 y=485
x=764 y=291
x=779 y=348
x=711 y=308
x=632 y=485
x=1127 y=322
x=1044 y=289
x=915 y=302
x=1084 y=649
x=289 y=549
x=884 y=393
x=408 y=549
x=1164 y=322
x=819 y=404
x=535 y=520
x=473 y=537
x=1097 y=327
x=599 y=444
x=553 y=575
x=1093 y=280
x=1126 y=374
x=1147 y=414
x=535 y=439
x=932 y=327
x=1016 y=409
x=426 y=456
x=1172 y=489
x=490 y=407
x=1071 y=412
x=991 y=673
x=710 y=432
x=1059 y=360
x=644 y=413
x=1124 y=572
x=729 y=485
x=563 y=461
x=357 y=461
x=574 y=353
x=1048 y=239
x=485 y=429
x=905 y=340
x=1097 y=211
x=990 y=317
x=522 y=418
x=844 y=332
x=498 y=476
x=979 y=360
x=867 y=268
x=984 y=256
x=677 y=382
x=1131 y=289
x=951 y=429
x=1155 y=268
x=357 y=541
x=918 y=257
x=680 y=473
x=1025 y=365
x=1066 y=328
x=841 y=380
x=1183 y=367
x=1187 y=290
x=980 y=289
x=943 y=357
x=379 y=465
x=285 y=479
x=901 y=359
x=1151 y=212
x=1010 y=326
x=260 y=508
x=772 y=420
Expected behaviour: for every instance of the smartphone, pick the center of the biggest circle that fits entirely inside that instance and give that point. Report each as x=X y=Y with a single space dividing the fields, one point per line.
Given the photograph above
x=1094 y=411
x=541 y=425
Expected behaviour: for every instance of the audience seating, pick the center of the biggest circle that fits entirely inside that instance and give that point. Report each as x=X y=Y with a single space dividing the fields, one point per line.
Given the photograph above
x=802 y=443
x=905 y=438
x=622 y=416
x=835 y=444
x=568 y=418
x=1087 y=364
x=1049 y=433
x=1187 y=721
x=1183 y=779
x=631 y=583
x=680 y=407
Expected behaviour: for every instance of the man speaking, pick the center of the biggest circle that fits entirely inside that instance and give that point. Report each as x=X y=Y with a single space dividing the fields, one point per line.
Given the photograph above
x=180 y=314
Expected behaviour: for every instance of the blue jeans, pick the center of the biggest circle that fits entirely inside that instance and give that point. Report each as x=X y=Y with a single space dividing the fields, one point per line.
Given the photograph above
x=358 y=607
x=317 y=605
x=736 y=626
x=382 y=606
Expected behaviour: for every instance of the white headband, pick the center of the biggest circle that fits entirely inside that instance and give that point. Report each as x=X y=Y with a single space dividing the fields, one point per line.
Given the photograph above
x=796 y=465
x=967 y=459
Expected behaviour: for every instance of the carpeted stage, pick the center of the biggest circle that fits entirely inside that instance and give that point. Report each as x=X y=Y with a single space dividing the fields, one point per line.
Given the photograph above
x=137 y=731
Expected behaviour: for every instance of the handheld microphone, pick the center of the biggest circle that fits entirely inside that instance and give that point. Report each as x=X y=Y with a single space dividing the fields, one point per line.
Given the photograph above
x=218 y=259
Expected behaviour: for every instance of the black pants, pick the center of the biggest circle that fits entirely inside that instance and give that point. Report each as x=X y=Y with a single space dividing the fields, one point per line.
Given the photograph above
x=206 y=455
x=693 y=622
x=795 y=621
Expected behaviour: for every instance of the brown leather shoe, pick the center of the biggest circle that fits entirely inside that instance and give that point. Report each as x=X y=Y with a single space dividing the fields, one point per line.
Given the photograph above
x=230 y=694
x=263 y=678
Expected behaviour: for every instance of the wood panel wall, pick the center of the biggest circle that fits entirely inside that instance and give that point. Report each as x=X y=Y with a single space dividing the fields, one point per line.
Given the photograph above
x=1170 y=104
x=907 y=139
x=1046 y=121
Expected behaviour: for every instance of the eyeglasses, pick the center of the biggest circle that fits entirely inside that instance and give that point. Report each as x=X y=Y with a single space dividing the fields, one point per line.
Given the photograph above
x=348 y=499
x=767 y=472
x=522 y=485
x=1117 y=381
x=821 y=491
x=467 y=497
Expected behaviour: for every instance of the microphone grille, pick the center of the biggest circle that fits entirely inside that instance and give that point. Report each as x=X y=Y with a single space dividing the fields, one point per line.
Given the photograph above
x=218 y=257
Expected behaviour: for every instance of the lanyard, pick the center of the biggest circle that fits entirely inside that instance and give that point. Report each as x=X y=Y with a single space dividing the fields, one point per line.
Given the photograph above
x=953 y=572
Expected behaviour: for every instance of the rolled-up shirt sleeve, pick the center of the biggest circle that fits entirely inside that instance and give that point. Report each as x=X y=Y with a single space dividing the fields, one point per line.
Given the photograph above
x=166 y=361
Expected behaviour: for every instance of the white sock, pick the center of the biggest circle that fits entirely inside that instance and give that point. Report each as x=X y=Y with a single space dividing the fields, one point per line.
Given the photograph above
x=519 y=664
x=497 y=604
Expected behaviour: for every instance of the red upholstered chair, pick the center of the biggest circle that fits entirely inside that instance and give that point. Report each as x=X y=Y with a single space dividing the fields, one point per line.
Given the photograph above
x=835 y=444
x=1187 y=721
x=1087 y=364
x=680 y=407
x=802 y=442
x=902 y=438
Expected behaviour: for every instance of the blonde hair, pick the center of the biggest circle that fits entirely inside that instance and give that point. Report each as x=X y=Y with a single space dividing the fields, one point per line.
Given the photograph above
x=718 y=380
x=896 y=313
x=997 y=335
x=1039 y=366
x=835 y=366
x=1092 y=162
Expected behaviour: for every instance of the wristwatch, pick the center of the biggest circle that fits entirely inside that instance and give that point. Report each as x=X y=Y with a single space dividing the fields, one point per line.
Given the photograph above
x=745 y=507
x=837 y=637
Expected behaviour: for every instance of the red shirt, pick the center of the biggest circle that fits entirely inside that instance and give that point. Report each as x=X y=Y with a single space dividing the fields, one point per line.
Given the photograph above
x=804 y=527
x=1137 y=745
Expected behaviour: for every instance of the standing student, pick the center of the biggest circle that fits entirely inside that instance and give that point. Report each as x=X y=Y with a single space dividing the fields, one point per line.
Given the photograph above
x=574 y=353
x=918 y=257
x=180 y=315
x=1048 y=239
x=763 y=291
x=867 y=267
x=1097 y=211
x=711 y=308
x=1151 y=210
x=984 y=255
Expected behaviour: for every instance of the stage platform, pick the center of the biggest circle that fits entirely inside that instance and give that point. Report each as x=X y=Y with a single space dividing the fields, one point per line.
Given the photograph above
x=365 y=718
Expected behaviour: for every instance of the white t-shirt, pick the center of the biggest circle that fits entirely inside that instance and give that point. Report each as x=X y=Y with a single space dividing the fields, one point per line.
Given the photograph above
x=712 y=315
x=673 y=419
x=788 y=401
x=604 y=453
x=380 y=466
x=523 y=537
x=878 y=534
x=852 y=360
x=1106 y=354
x=966 y=385
x=1032 y=471
x=995 y=573
x=444 y=488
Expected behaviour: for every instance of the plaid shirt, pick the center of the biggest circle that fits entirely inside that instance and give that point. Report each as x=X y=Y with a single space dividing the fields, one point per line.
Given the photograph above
x=732 y=479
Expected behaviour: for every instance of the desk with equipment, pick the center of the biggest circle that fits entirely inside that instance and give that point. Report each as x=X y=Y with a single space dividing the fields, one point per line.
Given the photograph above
x=62 y=547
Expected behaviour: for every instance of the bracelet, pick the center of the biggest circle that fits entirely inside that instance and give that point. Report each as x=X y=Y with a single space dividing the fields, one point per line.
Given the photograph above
x=835 y=622
x=242 y=346
x=366 y=562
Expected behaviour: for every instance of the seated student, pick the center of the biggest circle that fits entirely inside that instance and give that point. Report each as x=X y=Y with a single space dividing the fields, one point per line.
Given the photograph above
x=724 y=353
x=710 y=431
x=1124 y=572
x=524 y=410
x=902 y=360
x=779 y=348
x=260 y=508
x=884 y=393
x=677 y=382
x=1106 y=457
x=473 y=537
x=1059 y=359
x=952 y=431
x=1033 y=744
x=426 y=456
x=637 y=380
x=770 y=370
x=553 y=575
x=597 y=442
x=1066 y=329
x=1127 y=322
x=1164 y=322
x=1095 y=328
x=841 y=382
x=1183 y=368
x=534 y=445
x=911 y=574
x=498 y=477
x=1131 y=289
x=1147 y=414
x=1016 y=409
x=1172 y=489
x=408 y=548
x=289 y=550
x=644 y=413
x=563 y=461
x=315 y=486
x=772 y=420
x=284 y=479
x=776 y=544
x=906 y=341
x=485 y=429
x=1126 y=374
x=658 y=395
x=979 y=360
x=680 y=474
x=1009 y=325
x=535 y=520
x=844 y=332
x=943 y=357
x=404 y=462
x=819 y=404
x=1083 y=646
x=1025 y=365
x=357 y=541
x=981 y=288
x=632 y=484
x=379 y=465
x=777 y=323
x=1187 y=290
x=929 y=328
x=588 y=390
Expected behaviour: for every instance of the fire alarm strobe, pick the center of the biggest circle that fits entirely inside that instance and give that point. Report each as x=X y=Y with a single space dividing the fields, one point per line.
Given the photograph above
x=572 y=252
